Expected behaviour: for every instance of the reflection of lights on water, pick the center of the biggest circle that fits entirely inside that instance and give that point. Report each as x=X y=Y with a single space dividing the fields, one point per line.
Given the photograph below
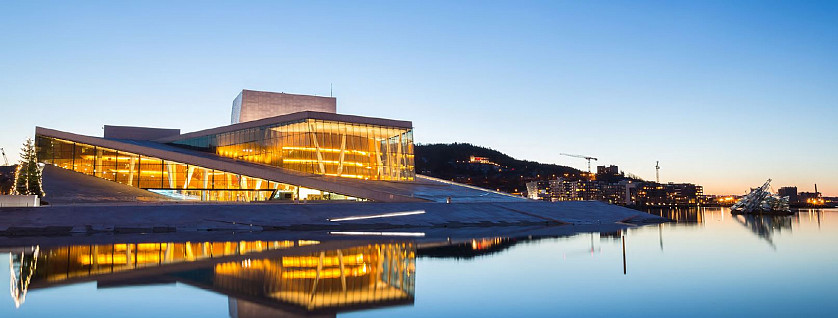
x=18 y=286
x=385 y=215
x=380 y=233
x=485 y=243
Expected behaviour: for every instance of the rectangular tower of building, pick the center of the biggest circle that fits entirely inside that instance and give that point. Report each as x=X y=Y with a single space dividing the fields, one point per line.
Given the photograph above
x=254 y=105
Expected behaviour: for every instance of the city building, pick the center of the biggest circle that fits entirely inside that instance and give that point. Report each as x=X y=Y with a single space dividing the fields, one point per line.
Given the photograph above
x=473 y=159
x=539 y=190
x=560 y=189
x=607 y=170
x=564 y=190
x=790 y=192
x=624 y=192
x=809 y=198
x=653 y=194
x=279 y=147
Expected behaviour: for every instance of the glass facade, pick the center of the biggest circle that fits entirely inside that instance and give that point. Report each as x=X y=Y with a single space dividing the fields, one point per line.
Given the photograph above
x=331 y=148
x=174 y=179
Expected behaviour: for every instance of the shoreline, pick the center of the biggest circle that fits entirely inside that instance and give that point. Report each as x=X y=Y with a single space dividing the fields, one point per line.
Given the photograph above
x=145 y=219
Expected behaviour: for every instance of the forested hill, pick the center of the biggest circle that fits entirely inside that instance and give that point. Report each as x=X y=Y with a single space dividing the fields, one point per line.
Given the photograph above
x=451 y=162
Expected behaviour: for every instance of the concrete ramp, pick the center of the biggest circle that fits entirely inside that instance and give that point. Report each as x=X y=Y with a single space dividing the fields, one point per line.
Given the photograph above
x=65 y=187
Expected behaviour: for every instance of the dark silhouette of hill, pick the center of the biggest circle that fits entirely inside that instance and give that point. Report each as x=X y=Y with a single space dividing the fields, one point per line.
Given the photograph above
x=504 y=173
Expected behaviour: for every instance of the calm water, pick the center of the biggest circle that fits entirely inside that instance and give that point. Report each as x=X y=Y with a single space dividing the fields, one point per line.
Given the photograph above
x=710 y=263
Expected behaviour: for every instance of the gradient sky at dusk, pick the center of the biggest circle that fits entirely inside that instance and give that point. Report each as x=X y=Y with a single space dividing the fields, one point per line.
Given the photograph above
x=724 y=94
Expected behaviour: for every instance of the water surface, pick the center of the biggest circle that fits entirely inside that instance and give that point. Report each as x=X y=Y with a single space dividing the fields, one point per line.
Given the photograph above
x=709 y=263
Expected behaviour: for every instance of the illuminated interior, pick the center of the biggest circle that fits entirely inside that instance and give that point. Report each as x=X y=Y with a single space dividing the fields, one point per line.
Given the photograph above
x=77 y=261
x=312 y=280
x=173 y=179
x=327 y=279
x=331 y=148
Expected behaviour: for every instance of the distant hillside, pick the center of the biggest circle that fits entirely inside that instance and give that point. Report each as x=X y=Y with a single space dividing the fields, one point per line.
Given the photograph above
x=451 y=162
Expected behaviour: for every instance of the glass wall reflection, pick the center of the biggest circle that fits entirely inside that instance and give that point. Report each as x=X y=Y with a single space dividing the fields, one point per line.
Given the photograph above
x=288 y=276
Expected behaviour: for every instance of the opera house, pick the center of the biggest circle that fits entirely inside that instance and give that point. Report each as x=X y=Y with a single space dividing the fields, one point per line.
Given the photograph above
x=278 y=146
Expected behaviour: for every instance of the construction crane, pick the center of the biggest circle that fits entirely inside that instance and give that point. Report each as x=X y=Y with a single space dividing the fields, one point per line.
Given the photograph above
x=589 y=158
x=657 y=172
x=4 y=156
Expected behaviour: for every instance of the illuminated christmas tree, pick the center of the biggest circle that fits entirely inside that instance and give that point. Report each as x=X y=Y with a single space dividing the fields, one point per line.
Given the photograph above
x=28 y=175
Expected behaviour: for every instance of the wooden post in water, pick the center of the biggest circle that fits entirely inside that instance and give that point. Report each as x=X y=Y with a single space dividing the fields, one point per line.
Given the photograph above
x=623 y=238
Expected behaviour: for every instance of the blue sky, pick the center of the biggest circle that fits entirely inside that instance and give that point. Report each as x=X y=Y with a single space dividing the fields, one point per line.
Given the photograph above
x=724 y=94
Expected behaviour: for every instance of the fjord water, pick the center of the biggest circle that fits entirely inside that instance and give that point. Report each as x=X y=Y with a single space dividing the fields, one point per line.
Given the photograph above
x=708 y=263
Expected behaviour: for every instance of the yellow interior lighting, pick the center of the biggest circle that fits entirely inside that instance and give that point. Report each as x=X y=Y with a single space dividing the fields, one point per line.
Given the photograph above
x=312 y=261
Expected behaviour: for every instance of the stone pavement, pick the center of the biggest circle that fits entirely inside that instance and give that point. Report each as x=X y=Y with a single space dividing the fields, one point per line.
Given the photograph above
x=257 y=217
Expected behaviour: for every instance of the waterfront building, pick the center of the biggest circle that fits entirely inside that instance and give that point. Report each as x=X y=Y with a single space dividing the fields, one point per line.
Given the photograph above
x=810 y=198
x=670 y=194
x=564 y=190
x=589 y=190
x=279 y=147
x=560 y=189
x=539 y=190
x=790 y=192
x=623 y=192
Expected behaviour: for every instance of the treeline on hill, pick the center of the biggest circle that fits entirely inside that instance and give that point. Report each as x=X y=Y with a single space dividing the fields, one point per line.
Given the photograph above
x=451 y=162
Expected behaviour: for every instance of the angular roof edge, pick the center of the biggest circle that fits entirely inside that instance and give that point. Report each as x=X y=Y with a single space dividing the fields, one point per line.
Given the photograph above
x=289 y=118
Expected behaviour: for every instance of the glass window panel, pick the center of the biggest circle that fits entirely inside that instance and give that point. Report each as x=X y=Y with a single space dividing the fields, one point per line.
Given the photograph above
x=126 y=168
x=219 y=180
x=151 y=173
x=84 y=159
x=106 y=163
x=63 y=153
x=174 y=175
x=44 y=148
x=198 y=178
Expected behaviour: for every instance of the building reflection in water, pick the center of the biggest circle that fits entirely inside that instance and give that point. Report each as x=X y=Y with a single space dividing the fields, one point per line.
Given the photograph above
x=468 y=249
x=21 y=269
x=287 y=278
x=681 y=215
x=764 y=226
x=810 y=215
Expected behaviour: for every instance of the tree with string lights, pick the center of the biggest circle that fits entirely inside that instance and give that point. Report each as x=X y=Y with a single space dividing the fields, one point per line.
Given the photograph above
x=28 y=175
